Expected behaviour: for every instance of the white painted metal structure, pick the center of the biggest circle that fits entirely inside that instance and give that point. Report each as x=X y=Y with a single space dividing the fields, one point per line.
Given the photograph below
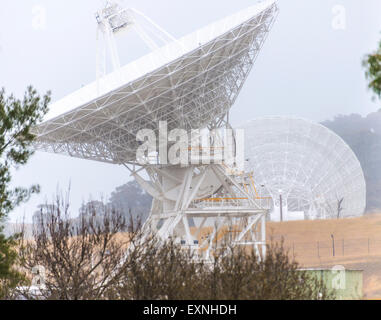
x=189 y=83
x=307 y=164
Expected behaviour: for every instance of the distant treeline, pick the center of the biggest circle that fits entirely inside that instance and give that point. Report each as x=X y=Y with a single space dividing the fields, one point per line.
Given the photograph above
x=363 y=135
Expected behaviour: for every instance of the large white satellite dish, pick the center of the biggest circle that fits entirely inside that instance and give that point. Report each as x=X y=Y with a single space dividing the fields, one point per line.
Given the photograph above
x=308 y=166
x=190 y=83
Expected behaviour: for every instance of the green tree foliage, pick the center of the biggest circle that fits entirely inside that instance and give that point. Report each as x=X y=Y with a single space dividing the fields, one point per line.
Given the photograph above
x=372 y=64
x=17 y=117
x=10 y=277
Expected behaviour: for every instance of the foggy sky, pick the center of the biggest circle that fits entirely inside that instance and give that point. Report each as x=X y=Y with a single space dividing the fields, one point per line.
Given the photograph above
x=307 y=68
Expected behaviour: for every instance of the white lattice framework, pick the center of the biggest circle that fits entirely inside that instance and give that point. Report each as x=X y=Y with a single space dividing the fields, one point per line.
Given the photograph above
x=190 y=84
x=308 y=164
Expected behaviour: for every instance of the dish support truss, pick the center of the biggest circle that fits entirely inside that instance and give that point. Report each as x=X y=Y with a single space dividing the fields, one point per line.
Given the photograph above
x=225 y=209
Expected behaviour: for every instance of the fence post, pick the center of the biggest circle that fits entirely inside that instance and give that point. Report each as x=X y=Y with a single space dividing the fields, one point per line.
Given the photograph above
x=318 y=249
x=343 y=247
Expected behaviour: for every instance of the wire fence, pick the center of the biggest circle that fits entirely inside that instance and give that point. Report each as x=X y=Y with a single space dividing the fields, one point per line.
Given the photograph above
x=335 y=247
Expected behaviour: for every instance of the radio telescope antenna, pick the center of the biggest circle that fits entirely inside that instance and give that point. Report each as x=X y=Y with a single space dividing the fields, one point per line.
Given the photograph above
x=183 y=85
x=308 y=170
x=114 y=20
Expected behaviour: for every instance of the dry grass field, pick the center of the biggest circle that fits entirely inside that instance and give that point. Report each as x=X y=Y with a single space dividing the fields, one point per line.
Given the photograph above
x=356 y=245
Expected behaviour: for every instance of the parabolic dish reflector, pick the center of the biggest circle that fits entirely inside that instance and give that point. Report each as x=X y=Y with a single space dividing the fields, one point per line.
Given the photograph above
x=308 y=164
x=188 y=83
